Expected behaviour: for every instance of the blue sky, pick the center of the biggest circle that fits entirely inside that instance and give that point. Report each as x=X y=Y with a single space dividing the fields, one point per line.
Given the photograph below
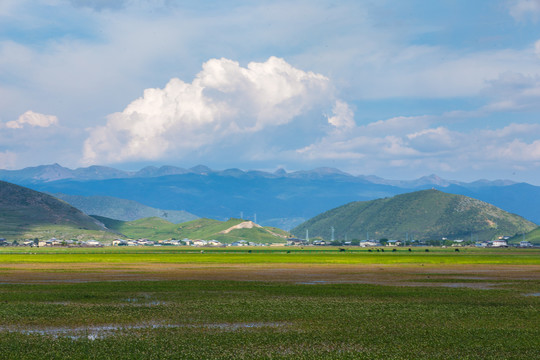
x=398 y=89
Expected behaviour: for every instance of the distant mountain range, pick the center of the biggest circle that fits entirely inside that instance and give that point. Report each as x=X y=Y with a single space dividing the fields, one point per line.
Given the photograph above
x=282 y=199
x=422 y=215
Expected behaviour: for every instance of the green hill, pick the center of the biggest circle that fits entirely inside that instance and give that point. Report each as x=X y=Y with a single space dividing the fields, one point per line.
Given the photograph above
x=25 y=213
x=205 y=229
x=423 y=215
x=122 y=209
x=532 y=236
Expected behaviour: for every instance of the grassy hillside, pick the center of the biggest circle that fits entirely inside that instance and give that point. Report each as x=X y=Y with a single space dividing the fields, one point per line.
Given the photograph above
x=423 y=215
x=533 y=237
x=122 y=209
x=25 y=213
x=206 y=229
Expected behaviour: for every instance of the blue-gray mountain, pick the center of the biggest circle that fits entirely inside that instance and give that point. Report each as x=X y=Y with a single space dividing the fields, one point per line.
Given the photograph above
x=282 y=199
x=122 y=209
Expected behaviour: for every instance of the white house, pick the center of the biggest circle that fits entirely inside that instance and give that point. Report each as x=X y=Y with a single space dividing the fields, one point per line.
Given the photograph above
x=214 y=243
x=367 y=243
x=499 y=243
x=93 y=243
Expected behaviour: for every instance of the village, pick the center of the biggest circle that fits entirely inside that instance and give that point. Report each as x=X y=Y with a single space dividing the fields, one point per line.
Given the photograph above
x=502 y=242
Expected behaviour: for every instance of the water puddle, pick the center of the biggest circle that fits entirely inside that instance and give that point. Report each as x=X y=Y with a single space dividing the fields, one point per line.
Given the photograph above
x=101 y=332
x=533 y=294
x=314 y=282
x=144 y=302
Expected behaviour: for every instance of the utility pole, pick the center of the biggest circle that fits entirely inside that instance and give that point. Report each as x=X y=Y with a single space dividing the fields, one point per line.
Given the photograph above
x=332 y=233
x=307 y=235
x=255 y=218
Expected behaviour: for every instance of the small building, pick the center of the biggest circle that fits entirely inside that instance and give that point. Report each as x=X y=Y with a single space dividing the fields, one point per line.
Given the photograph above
x=393 y=243
x=481 y=244
x=92 y=243
x=499 y=243
x=320 y=243
x=525 y=244
x=240 y=243
x=200 y=242
x=296 y=242
x=214 y=243
x=368 y=243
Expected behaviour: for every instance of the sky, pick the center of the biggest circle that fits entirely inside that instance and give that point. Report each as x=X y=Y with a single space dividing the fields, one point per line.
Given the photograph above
x=398 y=89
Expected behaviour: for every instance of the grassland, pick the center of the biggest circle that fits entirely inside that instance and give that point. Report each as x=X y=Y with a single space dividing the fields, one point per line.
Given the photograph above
x=282 y=255
x=158 y=229
x=318 y=304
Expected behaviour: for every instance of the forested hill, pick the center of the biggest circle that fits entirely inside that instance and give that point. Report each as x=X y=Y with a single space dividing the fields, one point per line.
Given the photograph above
x=422 y=215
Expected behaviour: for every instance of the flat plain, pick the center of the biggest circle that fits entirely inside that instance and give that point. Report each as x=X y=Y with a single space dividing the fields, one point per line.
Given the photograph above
x=281 y=303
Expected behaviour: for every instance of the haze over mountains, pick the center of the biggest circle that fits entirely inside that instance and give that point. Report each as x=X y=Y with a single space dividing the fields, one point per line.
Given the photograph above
x=122 y=209
x=282 y=199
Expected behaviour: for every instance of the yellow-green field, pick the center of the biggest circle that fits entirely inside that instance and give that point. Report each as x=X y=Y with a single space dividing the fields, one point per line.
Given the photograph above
x=282 y=303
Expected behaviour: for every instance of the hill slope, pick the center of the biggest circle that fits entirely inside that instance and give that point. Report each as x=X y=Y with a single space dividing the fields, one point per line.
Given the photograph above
x=533 y=237
x=206 y=229
x=427 y=214
x=122 y=209
x=25 y=213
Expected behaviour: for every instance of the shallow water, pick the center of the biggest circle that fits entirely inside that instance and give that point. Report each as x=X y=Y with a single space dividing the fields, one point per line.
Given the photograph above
x=100 y=332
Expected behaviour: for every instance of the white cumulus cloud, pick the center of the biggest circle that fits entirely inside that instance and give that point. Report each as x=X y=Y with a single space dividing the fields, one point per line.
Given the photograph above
x=33 y=119
x=343 y=115
x=225 y=99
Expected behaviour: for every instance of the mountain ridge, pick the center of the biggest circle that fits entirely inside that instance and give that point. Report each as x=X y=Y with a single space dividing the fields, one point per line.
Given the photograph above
x=280 y=198
x=56 y=172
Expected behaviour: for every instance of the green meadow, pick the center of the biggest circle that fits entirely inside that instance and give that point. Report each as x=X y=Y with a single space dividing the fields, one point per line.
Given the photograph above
x=257 y=255
x=226 y=319
x=256 y=320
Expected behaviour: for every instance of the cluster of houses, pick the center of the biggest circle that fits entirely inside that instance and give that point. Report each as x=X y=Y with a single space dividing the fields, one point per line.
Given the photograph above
x=498 y=243
x=53 y=242
x=502 y=243
x=184 y=242
x=362 y=243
